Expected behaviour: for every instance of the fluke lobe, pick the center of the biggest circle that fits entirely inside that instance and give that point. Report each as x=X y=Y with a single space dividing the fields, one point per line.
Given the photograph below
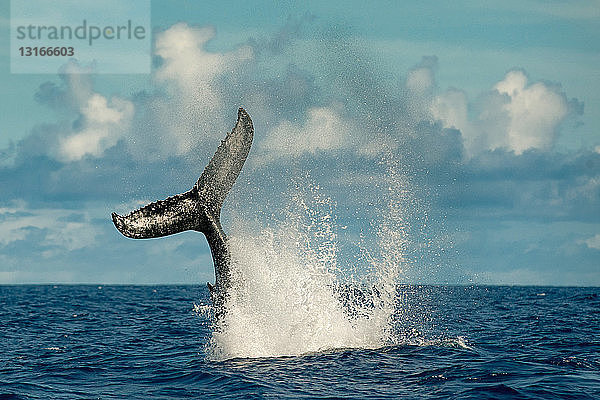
x=199 y=209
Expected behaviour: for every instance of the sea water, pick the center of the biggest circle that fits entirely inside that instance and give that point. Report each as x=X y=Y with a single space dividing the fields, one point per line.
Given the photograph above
x=148 y=342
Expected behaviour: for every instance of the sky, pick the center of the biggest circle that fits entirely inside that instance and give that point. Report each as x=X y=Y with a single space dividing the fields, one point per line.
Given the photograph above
x=472 y=128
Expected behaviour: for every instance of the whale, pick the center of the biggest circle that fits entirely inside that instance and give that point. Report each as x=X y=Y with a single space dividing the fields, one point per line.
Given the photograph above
x=199 y=209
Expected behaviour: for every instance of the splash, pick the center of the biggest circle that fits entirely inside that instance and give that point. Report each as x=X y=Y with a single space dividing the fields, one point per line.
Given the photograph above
x=290 y=295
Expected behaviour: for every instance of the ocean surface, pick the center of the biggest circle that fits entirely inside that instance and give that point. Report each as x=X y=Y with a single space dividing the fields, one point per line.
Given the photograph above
x=157 y=342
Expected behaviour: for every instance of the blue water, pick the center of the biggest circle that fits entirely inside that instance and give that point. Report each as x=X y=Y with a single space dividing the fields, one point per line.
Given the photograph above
x=144 y=342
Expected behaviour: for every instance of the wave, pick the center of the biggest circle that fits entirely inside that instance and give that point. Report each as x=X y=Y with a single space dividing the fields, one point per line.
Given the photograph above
x=291 y=296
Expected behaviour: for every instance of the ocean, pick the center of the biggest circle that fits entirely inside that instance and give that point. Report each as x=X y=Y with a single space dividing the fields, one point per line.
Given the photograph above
x=159 y=342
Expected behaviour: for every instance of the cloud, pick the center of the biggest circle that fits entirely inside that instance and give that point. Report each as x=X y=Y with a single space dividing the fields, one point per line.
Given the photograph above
x=74 y=89
x=593 y=242
x=451 y=108
x=534 y=112
x=420 y=86
x=192 y=88
x=532 y=186
x=421 y=79
x=325 y=129
x=514 y=115
x=42 y=245
x=158 y=140
x=102 y=146
x=103 y=126
x=189 y=98
x=98 y=122
x=192 y=69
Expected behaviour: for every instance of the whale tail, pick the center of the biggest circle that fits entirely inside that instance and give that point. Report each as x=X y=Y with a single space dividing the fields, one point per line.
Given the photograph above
x=198 y=209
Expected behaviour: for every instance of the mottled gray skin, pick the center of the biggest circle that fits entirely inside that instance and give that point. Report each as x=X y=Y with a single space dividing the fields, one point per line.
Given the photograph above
x=199 y=209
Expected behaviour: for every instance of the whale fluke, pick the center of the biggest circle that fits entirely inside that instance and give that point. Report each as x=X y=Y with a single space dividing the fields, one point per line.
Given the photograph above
x=199 y=208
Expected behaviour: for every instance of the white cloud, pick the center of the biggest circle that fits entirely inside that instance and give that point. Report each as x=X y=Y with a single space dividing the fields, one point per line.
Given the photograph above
x=99 y=124
x=593 y=242
x=324 y=130
x=104 y=125
x=514 y=115
x=192 y=109
x=451 y=107
x=192 y=68
x=186 y=110
x=535 y=112
x=420 y=82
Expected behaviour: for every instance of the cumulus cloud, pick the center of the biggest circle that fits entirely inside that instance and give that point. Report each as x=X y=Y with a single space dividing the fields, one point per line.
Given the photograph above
x=184 y=109
x=98 y=122
x=191 y=105
x=514 y=115
x=420 y=87
x=190 y=67
x=451 y=108
x=324 y=130
x=420 y=80
x=103 y=125
x=534 y=112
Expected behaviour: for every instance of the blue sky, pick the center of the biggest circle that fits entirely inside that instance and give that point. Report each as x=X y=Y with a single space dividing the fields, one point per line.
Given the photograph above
x=488 y=114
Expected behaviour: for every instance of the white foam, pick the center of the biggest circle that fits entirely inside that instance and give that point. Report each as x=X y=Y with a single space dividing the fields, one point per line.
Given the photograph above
x=288 y=286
